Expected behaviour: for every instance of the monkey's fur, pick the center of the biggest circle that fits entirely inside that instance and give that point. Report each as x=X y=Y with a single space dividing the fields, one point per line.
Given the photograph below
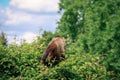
x=55 y=50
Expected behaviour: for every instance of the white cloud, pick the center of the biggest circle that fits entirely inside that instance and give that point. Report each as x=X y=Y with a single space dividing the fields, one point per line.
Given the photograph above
x=10 y=32
x=16 y=17
x=29 y=36
x=1 y=11
x=29 y=14
x=36 y=5
x=2 y=16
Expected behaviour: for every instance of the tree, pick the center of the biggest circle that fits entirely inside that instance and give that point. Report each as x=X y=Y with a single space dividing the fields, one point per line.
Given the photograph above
x=3 y=40
x=69 y=23
x=94 y=25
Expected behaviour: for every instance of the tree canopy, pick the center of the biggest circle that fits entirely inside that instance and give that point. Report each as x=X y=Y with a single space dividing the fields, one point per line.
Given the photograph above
x=93 y=23
x=94 y=26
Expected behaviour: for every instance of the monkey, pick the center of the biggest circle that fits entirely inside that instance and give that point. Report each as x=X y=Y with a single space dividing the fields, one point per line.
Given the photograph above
x=54 y=52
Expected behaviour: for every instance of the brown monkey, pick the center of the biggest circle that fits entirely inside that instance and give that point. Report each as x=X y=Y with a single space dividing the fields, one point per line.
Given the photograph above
x=54 y=52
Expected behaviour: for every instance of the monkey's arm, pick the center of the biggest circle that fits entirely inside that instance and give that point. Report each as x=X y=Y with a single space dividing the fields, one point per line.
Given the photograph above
x=48 y=50
x=46 y=53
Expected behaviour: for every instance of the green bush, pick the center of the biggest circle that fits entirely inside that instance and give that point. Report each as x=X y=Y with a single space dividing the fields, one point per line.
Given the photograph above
x=17 y=64
x=77 y=67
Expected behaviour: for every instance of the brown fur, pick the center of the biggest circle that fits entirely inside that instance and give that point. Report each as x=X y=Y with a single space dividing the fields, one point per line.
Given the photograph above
x=54 y=52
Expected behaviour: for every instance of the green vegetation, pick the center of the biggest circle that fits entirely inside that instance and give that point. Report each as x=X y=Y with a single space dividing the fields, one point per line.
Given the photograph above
x=24 y=63
x=3 y=40
x=92 y=32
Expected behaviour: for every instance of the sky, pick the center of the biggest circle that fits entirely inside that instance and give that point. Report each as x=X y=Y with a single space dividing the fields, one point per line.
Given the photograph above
x=25 y=18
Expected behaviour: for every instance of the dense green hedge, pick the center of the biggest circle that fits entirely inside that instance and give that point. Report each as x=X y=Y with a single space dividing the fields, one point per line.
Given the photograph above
x=24 y=63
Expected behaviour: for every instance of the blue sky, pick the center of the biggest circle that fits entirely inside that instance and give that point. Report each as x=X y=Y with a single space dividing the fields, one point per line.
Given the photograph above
x=4 y=3
x=24 y=18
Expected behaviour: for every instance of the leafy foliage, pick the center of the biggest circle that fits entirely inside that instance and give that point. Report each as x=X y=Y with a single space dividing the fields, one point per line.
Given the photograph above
x=3 y=40
x=22 y=63
x=94 y=26
x=92 y=32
